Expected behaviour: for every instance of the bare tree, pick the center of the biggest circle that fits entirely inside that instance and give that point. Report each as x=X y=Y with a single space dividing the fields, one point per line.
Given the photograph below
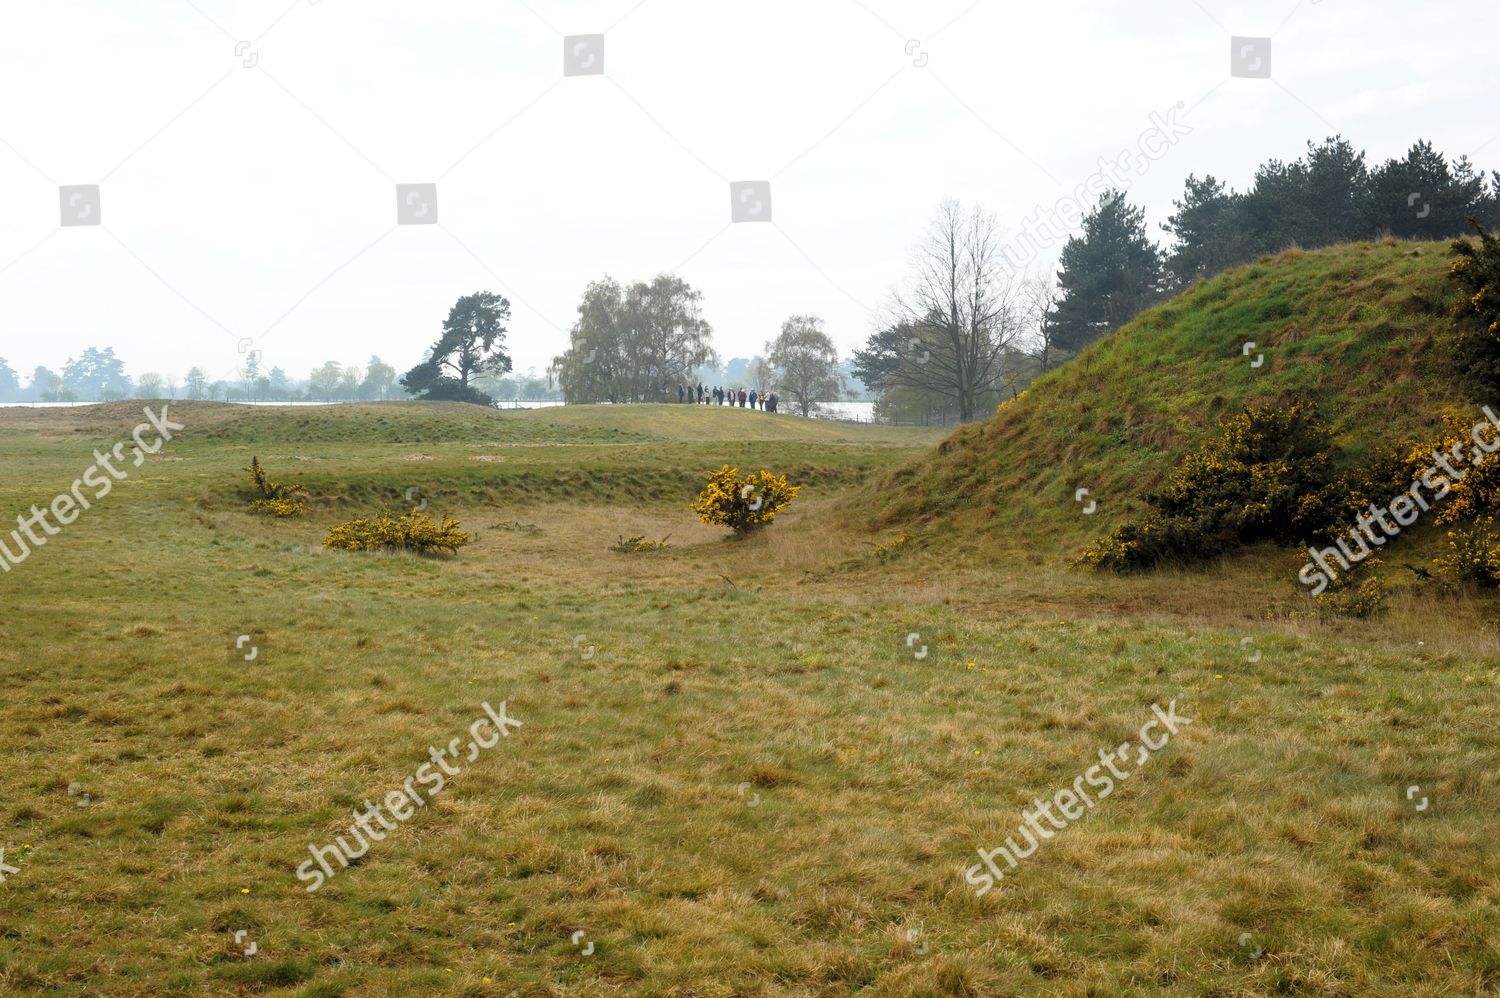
x=1038 y=300
x=806 y=363
x=961 y=310
x=148 y=385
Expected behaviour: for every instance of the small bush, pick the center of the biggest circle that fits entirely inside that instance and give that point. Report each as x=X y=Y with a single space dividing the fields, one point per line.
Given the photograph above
x=416 y=531
x=1267 y=476
x=743 y=504
x=1359 y=593
x=638 y=545
x=889 y=550
x=1474 y=554
x=1476 y=272
x=274 y=498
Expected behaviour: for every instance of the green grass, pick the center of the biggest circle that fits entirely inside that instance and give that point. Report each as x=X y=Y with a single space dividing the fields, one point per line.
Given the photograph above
x=1364 y=330
x=661 y=697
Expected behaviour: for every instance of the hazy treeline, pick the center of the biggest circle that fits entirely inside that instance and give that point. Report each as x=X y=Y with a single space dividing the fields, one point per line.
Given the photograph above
x=100 y=376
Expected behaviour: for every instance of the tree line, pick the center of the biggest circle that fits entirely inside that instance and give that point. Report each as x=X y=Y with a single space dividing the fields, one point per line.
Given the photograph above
x=968 y=331
x=961 y=332
x=98 y=375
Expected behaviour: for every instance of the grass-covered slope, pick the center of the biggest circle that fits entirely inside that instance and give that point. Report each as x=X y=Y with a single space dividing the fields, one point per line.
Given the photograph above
x=1363 y=330
x=370 y=454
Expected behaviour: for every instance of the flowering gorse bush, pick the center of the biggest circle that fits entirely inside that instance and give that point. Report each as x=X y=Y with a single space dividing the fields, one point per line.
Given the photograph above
x=743 y=504
x=638 y=544
x=1359 y=593
x=1477 y=494
x=274 y=497
x=416 y=531
x=1474 y=554
x=1267 y=476
x=1476 y=272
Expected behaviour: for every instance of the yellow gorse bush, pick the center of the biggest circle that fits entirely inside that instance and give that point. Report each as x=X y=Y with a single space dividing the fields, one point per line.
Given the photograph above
x=274 y=497
x=743 y=504
x=416 y=531
x=1474 y=554
x=1477 y=494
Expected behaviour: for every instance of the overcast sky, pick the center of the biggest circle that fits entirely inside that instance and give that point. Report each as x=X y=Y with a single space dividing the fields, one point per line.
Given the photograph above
x=247 y=151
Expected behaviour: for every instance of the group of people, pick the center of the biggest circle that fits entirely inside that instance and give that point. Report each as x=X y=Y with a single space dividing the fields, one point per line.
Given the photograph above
x=703 y=395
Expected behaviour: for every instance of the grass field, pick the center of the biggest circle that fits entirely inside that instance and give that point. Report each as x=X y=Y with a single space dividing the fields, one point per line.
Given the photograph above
x=734 y=774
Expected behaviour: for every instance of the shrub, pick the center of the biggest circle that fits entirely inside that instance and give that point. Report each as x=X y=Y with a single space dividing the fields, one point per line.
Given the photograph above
x=1267 y=476
x=416 y=531
x=1477 y=494
x=1474 y=554
x=274 y=497
x=1476 y=272
x=743 y=505
x=638 y=544
x=1359 y=593
x=889 y=550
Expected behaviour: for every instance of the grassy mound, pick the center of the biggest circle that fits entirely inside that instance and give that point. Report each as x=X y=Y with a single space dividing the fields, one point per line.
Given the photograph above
x=1362 y=329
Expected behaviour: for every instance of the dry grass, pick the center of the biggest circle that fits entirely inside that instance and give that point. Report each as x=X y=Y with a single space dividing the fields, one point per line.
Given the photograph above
x=622 y=807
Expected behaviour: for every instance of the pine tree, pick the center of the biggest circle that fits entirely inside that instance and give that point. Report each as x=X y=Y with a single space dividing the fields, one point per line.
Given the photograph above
x=1109 y=274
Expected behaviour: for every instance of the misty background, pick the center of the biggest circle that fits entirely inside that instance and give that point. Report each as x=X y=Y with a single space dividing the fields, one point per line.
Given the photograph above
x=247 y=154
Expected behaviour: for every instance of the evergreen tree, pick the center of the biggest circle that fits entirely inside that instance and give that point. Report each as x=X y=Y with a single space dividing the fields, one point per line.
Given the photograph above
x=1423 y=197
x=1109 y=274
x=1336 y=201
x=10 y=385
x=472 y=344
x=1210 y=231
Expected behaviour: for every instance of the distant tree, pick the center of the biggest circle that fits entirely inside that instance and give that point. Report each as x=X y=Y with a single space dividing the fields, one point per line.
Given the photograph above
x=959 y=307
x=911 y=404
x=1038 y=301
x=1336 y=202
x=1210 y=229
x=806 y=363
x=10 y=384
x=472 y=344
x=1270 y=214
x=634 y=344
x=172 y=385
x=534 y=389
x=1110 y=272
x=250 y=372
x=1424 y=197
x=876 y=365
x=350 y=380
x=149 y=385
x=278 y=383
x=46 y=386
x=737 y=370
x=96 y=374
x=761 y=374
x=323 y=382
x=196 y=383
x=380 y=381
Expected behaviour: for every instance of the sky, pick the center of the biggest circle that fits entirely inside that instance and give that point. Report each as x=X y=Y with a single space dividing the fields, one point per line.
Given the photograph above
x=247 y=152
